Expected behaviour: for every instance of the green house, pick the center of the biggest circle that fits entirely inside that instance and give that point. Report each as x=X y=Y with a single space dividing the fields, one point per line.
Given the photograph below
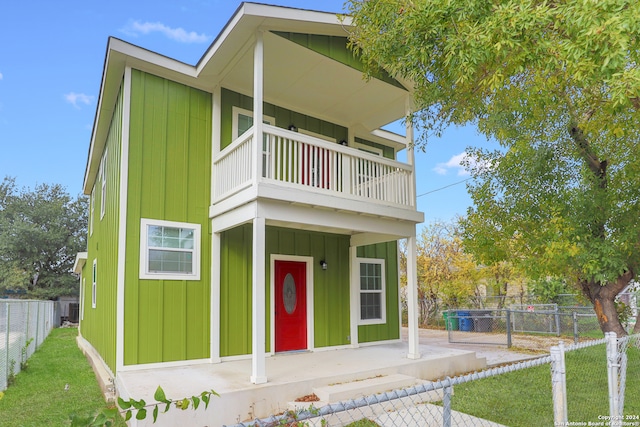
x=214 y=236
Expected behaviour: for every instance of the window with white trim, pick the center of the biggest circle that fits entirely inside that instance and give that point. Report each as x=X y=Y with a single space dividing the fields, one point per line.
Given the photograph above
x=92 y=210
x=372 y=291
x=83 y=291
x=103 y=184
x=169 y=250
x=242 y=121
x=94 y=283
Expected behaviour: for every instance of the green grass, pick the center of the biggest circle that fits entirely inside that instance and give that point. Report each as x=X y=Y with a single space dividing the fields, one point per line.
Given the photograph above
x=38 y=397
x=524 y=398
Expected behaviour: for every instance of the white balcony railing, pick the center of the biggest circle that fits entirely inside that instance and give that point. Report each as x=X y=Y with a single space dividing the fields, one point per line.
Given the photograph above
x=307 y=162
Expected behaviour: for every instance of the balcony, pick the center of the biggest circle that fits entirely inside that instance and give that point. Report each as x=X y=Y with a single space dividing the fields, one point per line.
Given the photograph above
x=309 y=166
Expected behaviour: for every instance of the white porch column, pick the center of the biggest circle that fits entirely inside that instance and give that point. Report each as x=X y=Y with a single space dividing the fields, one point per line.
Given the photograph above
x=214 y=350
x=412 y=299
x=355 y=295
x=258 y=96
x=258 y=365
x=412 y=269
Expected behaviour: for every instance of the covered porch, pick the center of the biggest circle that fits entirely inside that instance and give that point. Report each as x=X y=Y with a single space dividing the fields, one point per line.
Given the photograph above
x=291 y=376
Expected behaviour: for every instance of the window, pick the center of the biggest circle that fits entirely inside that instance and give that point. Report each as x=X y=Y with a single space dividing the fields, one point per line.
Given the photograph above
x=94 y=282
x=92 y=209
x=169 y=250
x=82 y=294
x=243 y=120
x=372 y=291
x=103 y=187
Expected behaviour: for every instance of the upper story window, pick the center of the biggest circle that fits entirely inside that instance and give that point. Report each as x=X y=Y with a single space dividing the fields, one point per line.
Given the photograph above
x=243 y=120
x=169 y=250
x=372 y=289
x=103 y=184
x=92 y=209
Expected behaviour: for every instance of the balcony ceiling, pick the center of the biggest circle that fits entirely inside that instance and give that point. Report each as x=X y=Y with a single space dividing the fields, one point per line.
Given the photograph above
x=298 y=78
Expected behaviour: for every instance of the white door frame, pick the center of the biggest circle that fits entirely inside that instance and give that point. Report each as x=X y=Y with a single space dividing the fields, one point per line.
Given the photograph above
x=309 y=283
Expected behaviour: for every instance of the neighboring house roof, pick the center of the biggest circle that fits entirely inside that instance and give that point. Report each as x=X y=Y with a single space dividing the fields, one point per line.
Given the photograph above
x=229 y=62
x=81 y=259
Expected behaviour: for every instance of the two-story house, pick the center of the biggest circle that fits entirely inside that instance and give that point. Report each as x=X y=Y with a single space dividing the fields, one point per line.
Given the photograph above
x=214 y=236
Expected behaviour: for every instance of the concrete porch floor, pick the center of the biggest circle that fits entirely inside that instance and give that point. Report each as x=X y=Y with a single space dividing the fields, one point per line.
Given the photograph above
x=294 y=375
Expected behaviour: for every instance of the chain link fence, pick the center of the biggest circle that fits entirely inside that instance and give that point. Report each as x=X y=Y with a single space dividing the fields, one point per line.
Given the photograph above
x=500 y=326
x=23 y=327
x=587 y=385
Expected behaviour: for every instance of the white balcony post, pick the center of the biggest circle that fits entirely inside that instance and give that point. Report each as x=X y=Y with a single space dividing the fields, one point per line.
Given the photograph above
x=258 y=334
x=258 y=86
x=412 y=298
x=411 y=154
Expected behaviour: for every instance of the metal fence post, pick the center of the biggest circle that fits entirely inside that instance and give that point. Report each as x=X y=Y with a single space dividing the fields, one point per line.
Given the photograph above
x=575 y=327
x=6 y=346
x=559 y=385
x=557 y=319
x=446 y=403
x=508 y=328
x=612 y=373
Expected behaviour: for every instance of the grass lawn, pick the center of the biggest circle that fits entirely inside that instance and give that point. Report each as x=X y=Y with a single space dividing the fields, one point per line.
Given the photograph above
x=38 y=397
x=524 y=398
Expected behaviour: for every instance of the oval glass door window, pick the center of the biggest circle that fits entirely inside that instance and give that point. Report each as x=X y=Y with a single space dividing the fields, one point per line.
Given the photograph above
x=289 y=294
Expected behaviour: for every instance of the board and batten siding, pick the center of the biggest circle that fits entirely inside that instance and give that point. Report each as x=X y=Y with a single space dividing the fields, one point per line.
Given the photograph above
x=330 y=287
x=169 y=179
x=284 y=118
x=391 y=329
x=98 y=325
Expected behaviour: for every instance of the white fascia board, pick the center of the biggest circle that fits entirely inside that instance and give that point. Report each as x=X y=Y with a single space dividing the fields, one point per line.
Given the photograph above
x=351 y=223
x=119 y=55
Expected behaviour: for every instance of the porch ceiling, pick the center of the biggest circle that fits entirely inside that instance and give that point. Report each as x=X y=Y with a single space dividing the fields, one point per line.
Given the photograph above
x=302 y=80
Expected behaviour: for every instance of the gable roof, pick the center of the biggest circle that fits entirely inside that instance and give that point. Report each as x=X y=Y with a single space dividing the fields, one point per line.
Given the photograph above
x=295 y=76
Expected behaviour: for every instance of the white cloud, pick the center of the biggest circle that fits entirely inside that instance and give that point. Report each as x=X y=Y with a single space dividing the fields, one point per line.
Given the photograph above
x=78 y=98
x=137 y=28
x=1 y=76
x=454 y=163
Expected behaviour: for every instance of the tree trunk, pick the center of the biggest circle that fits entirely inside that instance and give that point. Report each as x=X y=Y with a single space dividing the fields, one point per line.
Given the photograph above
x=603 y=299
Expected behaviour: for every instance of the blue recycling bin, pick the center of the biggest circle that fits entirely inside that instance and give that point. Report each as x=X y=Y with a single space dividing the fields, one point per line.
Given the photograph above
x=465 y=321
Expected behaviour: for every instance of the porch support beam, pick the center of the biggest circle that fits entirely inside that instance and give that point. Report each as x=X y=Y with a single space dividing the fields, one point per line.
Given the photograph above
x=412 y=299
x=355 y=295
x=412 y=269
x=258 y=341
x=215 y=299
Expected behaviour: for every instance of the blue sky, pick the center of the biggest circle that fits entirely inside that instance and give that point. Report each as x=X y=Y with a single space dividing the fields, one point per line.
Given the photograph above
x=51 y=59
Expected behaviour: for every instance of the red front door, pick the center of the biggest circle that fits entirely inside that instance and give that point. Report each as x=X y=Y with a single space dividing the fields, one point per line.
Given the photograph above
x=291 y=305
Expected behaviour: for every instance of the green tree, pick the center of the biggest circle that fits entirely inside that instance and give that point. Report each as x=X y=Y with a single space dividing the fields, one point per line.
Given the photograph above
x=41 y=231
x=557 y=85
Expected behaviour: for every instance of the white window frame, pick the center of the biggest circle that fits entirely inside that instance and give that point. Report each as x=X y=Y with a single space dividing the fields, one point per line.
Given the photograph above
x=236 y=111
x=92 y=209
x=83 y=291
x=103 y=184
x=144 y=250
x=317 y=135
x=382 y=292
x=94 y=283
x=368 y=149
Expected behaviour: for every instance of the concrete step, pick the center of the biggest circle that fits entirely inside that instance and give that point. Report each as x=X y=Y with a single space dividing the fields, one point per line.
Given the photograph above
x=364 y=387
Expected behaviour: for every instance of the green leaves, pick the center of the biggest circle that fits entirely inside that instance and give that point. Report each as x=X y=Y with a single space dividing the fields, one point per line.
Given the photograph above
x=140 y=407
x=41 y=231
